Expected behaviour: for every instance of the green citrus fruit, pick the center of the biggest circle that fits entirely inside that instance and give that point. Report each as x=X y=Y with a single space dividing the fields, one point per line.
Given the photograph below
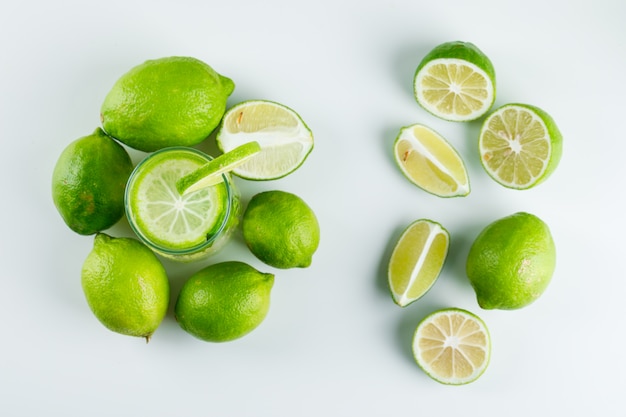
x=224 y=301
x=281 y=229
x=88 y=183
x=284 y=138
x=455 y=81
x=125 y=285
x=429 y=161
x=452 y=346
x=173 y=101
x=417 y=260
x=511 y=262
x=211 y=173
x=520 y=145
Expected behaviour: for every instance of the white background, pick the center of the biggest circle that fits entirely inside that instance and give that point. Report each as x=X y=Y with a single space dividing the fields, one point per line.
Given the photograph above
x=333 y=343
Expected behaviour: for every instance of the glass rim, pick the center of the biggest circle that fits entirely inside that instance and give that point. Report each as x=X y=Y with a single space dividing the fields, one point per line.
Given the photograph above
x=164 y=249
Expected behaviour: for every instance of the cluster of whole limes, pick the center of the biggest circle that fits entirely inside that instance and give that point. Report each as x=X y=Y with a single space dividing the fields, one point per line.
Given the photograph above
x=512 y=260
x=173 y=101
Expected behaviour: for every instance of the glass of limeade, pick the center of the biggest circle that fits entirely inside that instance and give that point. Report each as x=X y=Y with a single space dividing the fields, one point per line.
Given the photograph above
x=181 y=228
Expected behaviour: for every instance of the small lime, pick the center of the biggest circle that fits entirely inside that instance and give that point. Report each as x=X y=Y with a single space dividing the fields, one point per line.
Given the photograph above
x=125 y=285
x=511 y=262
x=224 y=301
x=88 y=183
x=281 y=229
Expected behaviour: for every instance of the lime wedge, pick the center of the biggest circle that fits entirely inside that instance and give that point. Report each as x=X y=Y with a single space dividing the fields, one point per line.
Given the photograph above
x=455 y=81
x=520 y=145
x=452 y=346
x=211 y=173
x=284 y=138
x=417 y=260
x=430 y=162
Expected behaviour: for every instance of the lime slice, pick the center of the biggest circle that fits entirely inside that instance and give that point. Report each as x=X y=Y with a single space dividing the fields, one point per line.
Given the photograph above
x=430 y=162
x=520 y=145
x=162 y=216
x=452 y=346
x=417 y=260
x=211 y=173
x=284 y=138
x=455 y=81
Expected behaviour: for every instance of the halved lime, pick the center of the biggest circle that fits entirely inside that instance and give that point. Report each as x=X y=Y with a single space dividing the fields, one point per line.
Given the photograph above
x=284 y=138
x=163 y=217
x=455 y=81
x=417 y=260
x=520 y=145
x=430 y=162
x=452 y=346
x=211 y=173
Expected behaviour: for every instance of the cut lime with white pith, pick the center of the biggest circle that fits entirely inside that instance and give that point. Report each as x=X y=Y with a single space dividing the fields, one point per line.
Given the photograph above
x=452 y=346
x=430 y=162
x=163 y=217
x=284 y=138
x=520 y=145
x=417 y=260
x=455 y=81
x=211 y=173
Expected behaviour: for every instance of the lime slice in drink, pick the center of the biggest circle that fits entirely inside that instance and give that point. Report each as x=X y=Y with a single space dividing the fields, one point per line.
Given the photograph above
x=211 y=173
x=417 y=260
x=455 y=81
x=452 y=346
x=520 y=145
x=284 y=138
x=161 y=215
x=430 y=162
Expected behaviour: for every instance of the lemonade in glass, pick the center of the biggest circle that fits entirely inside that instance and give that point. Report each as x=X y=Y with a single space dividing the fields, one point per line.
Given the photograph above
x=180 y=227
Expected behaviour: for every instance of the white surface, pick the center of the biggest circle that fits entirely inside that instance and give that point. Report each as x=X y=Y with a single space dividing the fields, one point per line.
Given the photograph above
x=333 y=343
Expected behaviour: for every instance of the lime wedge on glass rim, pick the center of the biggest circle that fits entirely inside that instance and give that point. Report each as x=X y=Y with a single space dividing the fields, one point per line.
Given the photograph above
x=211 y=173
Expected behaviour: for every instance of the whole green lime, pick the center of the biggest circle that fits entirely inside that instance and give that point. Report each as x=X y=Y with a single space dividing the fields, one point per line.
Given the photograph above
x=281 y=229
x=224 y=301
x=511 y=262
x=88 y=183
x=125 y=285
x=172 y=101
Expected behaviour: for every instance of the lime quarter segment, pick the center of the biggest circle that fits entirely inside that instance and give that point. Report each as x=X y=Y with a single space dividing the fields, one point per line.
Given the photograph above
x=430 y=162
x=452 y=346
x=211 y=173
x=417 y=260
x=520 y=145
x=285 y=139
x=455 y=81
